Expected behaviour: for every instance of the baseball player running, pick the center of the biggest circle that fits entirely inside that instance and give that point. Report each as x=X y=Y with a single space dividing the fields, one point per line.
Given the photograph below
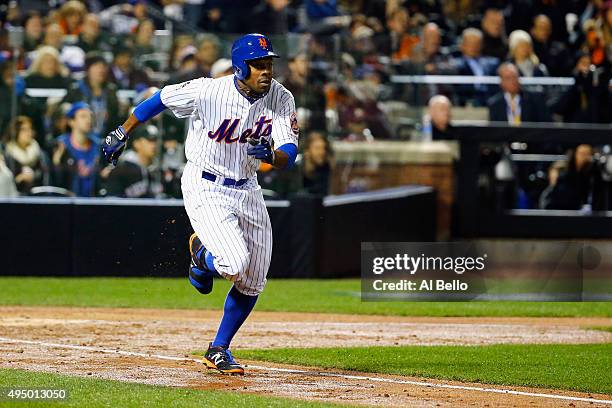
x=235 y=122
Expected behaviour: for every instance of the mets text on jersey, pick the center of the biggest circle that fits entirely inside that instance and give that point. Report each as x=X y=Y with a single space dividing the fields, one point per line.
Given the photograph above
x=226 y=130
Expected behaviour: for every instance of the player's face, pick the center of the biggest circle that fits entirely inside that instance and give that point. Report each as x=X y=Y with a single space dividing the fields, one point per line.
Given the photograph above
x=260 y=78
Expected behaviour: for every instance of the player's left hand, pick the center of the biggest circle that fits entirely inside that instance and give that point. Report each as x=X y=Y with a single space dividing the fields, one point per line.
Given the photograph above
x=114 y=144
x=261 y=149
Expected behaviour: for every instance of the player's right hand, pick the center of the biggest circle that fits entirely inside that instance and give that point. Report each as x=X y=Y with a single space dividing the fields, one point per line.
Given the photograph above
x=114 y=144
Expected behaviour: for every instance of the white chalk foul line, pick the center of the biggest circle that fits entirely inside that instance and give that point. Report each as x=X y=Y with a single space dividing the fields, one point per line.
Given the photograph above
x=316 y=373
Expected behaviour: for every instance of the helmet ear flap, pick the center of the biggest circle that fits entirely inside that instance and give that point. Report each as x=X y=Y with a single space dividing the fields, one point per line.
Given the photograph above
x=241 y=70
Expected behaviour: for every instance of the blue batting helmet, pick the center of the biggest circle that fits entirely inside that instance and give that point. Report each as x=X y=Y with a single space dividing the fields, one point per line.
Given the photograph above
x=247 y=48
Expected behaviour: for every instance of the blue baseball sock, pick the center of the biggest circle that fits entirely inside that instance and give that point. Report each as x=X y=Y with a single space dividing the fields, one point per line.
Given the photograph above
x=237 y=308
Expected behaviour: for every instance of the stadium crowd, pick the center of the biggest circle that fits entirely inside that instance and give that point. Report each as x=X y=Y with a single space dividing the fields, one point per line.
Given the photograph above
x=338 y=69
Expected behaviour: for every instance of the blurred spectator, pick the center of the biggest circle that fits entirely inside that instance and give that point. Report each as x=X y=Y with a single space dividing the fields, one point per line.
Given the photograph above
x=605 y=24
x=316 y=164
x=54 y=36
x=552 y=54
x=458 y=11
x=58 y=122
x=179 y=44
x=47 y=71
x=513 y=104
x=9 y=93
x=272 y=17
x=574 y=188
x=76 y=156
x=554 y=171
x=193 y=11
x=124 y=18
x=360 y=42
x=123 y=74
x=428 y=57
x=522 y=55
x=33 y=31
x=440 y=117
x=473 y=63
x=134 y=175
x=588 y=100
x=142 y=41
x=208 y=53
x=494 y=34
x=7 y=180
x=222 y=67
x=13 y=13
x=91 y=38
x=98 y=93
x=359 y=115
x=71 y=16
x=594 y=43
x=320 y=9
x=309 y=95
x=399 y=43
x=187 y=65
x=23 y=155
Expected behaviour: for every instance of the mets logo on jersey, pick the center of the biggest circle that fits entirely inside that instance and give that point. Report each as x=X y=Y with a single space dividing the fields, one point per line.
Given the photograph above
x=295 y=128
x=263 y=43
x=227 y=128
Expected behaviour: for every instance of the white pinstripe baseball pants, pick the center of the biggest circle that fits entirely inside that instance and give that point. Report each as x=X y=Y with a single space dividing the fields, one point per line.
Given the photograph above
x=234 y=225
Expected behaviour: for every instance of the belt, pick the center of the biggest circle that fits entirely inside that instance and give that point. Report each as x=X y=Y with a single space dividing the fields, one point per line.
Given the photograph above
x=226 y=181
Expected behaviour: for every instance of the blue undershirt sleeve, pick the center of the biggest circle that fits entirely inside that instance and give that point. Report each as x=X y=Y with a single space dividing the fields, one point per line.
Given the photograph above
x=291 y=151
x=149 y=108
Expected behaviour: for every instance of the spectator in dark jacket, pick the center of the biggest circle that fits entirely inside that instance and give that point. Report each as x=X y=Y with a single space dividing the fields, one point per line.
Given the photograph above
x=47 y=71
x=575 y=188
x=588 y=100
x=134 y=176
x=514 y=105
x=91 y=39
x=123 y=73
x=309 y=94
x=33 y=31
x=99 y=94
x=272 y=17
x=553 y=54
x=76 y=156
x=494 y=35
x=473 y=63
x=9 y=85
x=440 y=115
x=316 y=164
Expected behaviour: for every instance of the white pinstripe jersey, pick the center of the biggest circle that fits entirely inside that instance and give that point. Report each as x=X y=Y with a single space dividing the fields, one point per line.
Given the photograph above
x=221 y=119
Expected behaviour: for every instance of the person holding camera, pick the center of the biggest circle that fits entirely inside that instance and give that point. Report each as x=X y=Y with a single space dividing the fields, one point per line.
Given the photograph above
x=588 y=100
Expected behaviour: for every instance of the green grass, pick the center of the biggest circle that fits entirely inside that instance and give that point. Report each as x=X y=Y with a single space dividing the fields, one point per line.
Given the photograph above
x=582 y=367
x=282 y=295
x=89 y=392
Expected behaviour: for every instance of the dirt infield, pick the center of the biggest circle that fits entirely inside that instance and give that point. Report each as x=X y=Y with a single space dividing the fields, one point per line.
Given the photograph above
x=153 y=346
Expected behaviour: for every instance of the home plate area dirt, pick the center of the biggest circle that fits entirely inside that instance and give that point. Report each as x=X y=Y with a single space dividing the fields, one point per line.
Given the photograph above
x=152 y=347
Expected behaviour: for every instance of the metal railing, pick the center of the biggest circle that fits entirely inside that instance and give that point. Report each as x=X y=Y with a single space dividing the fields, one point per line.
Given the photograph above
x=479 y=80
